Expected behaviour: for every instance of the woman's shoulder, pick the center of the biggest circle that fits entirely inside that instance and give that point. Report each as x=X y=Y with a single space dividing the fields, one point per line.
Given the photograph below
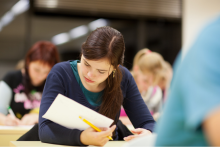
x=126 y=74
x=62 y=70
x=61 y=66
x=127 y=78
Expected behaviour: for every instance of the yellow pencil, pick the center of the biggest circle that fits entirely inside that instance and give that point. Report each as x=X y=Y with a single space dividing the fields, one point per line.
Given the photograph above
x=94 y=127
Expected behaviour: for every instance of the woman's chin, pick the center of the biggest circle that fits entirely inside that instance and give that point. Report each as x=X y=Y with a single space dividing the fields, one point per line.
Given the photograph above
x=36 y=83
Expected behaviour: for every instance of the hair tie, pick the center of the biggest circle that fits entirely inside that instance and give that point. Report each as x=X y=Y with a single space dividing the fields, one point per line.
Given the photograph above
x=148 y=51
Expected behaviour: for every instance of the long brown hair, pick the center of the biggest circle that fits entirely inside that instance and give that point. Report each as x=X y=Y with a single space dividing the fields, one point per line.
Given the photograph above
x=43 y=51
x=106 y=42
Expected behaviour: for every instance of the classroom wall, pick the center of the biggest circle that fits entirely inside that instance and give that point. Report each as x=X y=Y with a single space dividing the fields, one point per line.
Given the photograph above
x=5 y=67
x=196 y=14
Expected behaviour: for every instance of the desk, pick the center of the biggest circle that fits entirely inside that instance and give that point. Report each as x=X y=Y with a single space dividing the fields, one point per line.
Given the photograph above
x=40 y=144
x=11 y=133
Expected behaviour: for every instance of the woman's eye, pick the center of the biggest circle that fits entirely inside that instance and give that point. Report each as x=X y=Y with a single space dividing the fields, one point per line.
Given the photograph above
x=37 y=70
x=101 y=72
x=86 y=64
x=146 y=81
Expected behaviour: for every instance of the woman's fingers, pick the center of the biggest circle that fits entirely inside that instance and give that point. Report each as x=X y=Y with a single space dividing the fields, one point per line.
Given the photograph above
x=108 y=132
x=29 y=119
x=24 y=120
x=103 y=129
x=104 y=141
x=12 y=120
x=128 y=138
x=91 y=137
x=137 y=131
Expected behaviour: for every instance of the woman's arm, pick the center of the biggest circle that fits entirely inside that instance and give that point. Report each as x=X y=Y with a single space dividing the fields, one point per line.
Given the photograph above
x=49 y=131
x=136 y=109
x=2 y=119
x=212 y=128
x=134 y=105
x=5 y=97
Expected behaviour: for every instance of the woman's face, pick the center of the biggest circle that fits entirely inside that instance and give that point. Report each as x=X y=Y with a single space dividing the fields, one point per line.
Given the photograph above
x=143 y=80
x=38 y=72
x=95 y=72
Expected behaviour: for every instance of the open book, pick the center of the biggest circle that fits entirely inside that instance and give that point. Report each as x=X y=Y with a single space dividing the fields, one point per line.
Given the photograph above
x=66 y=112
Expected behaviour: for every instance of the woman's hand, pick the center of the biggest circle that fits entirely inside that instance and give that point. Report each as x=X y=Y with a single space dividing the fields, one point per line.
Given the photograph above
x=138 y=133
x=29 y=119
x=11 y=120
x=92 y=137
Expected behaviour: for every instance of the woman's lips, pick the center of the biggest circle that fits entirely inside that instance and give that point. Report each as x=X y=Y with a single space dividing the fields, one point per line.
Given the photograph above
x=90 y=81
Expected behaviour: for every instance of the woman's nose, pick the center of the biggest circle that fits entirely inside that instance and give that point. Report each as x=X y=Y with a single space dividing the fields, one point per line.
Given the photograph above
x=90 y=74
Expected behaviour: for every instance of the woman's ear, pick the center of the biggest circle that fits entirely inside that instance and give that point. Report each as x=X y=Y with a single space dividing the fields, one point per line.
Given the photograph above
x=135 y=69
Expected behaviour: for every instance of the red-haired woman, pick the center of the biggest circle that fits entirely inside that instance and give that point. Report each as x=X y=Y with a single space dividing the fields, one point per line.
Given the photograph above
x=21 y=90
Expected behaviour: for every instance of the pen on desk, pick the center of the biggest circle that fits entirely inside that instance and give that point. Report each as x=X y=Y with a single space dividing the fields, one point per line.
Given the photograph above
x=11 y=111
x=93 y=126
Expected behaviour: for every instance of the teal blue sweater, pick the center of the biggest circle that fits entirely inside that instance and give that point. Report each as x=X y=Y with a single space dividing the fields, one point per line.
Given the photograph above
x=94 y=98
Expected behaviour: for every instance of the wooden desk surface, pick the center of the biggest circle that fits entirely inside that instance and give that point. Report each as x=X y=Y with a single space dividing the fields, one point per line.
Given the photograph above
x=40 y=144
x=11 y=133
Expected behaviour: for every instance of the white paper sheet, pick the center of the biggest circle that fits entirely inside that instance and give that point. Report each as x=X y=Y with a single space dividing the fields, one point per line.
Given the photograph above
x=66 y=112
x=19 y=127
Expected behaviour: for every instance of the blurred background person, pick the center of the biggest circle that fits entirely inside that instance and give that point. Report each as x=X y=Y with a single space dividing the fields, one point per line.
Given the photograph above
x=192 y=112
x=22 y=89
x=165 y=79
x=148 y=68
x=20 y=64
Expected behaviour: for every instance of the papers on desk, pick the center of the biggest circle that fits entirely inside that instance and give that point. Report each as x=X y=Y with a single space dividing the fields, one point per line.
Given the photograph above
x=66 y=112
x=142 y=141
x=19 y=127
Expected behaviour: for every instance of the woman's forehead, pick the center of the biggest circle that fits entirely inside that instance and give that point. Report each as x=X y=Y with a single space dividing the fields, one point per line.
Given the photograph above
x=102 y=63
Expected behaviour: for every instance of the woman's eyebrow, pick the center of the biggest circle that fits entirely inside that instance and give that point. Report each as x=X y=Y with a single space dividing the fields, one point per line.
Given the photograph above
x=86 y=61
x=97 y=69
x=101 y=70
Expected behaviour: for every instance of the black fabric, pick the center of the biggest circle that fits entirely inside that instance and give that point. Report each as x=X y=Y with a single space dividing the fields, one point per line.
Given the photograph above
x=14 y=80
x=31 y=135
x=123 y=131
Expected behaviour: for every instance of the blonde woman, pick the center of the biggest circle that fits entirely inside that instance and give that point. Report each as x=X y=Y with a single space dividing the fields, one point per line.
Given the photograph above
x=148 y=68
x=165 y=79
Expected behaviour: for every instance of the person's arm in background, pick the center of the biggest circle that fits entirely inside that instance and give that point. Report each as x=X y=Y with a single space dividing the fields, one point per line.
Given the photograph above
x=31 y=118
x=156 y=102
x=204 y=75
x=5 y=99
x=136 y=109
x=212 y=128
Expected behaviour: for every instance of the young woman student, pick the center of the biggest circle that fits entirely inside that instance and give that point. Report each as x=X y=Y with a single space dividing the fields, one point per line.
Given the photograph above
x=22 y=89
x=99 y=82
x=148 y=68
